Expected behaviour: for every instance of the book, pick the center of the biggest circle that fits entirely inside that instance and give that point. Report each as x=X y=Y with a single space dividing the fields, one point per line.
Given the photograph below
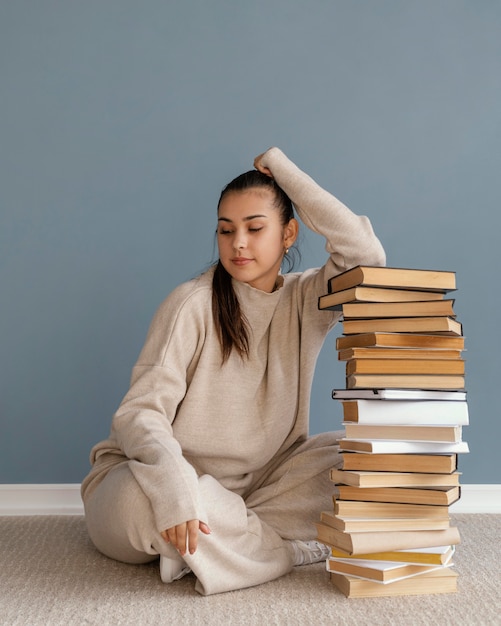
x=438 y=555
x=376 y=294
x=398 y=394
x=404 y=412
x=404 y=366
x=402 y=495
x=367 y=524
x=436 y=324
x=443 y=580
x=400 y=278
x=405 y=432
x=379 y=571
x=367 y=542
x=397 y=353
x=360 y=478
x=422 y=463
x=357 y=508
x=361 y=310
x=399 y=340
x=405 y=381
x=402 y=447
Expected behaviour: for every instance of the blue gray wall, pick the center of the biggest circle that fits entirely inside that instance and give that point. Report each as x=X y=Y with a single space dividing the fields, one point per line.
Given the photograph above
x=120 y=123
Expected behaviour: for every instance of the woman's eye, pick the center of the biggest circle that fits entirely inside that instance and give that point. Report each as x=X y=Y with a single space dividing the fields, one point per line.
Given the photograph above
x=255 y=230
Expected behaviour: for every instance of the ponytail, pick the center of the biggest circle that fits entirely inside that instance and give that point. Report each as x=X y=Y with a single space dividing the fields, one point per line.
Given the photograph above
x=231 y=323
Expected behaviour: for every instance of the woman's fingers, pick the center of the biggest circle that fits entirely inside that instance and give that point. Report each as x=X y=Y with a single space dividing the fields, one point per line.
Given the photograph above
x=184 y=537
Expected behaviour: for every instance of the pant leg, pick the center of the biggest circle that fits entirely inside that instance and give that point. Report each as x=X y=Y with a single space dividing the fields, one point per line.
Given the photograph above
x=120 y=519
x=292 y=495
x=246 y=546
x=240 y=552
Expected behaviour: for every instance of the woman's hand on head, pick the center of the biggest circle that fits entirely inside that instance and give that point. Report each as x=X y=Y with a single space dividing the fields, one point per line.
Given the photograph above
x=260 y=167
x=184 y=537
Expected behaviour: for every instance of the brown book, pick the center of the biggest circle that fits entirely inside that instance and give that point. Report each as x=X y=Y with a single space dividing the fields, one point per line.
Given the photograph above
x=389 y=432
x=379 y=541
x=401 y=412
x=376 y=294
x=367 y=524
x=438 y=581
x=423 y=463
x=378 y=571
x=437 y=555
x=358 y=478
x=380 y=510
x=361 y=310
x=402 y=495
x=397 y=353
x=395 y=277
x=404 y=366
x=400 y=340
x=405 y=381
x=438 y=324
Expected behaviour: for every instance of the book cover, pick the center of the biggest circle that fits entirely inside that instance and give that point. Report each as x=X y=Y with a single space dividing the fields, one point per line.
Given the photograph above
x=399 y=365
x=383 y=572
x=403 y=495
x=370 y=310
x=404 y=432
x=367 y=524
x=376 y=294
x=398 y=277
x=423 y=463
x=400 y=340
x=405 y=412
x=379 y=393
x=439 y=324
x=402 y=447
x=397 y=353
x=368 y=542
x=361 y=478
x=437 y=555
x=384 y=510
x=443 y=580
x=406 y=381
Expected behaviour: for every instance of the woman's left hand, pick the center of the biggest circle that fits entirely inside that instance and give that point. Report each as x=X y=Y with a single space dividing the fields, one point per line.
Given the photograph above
x=261 y=168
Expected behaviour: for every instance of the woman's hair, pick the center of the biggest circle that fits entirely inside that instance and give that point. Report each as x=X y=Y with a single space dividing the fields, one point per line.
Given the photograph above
x=231 y=323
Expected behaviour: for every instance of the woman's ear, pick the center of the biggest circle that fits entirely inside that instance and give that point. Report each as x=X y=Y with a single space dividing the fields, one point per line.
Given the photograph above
x=291 y=231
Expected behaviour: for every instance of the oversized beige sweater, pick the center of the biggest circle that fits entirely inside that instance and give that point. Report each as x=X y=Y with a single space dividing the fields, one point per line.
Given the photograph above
x=186 y=415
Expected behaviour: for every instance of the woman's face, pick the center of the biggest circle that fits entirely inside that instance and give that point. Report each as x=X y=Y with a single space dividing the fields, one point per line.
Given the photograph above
x=251 y=238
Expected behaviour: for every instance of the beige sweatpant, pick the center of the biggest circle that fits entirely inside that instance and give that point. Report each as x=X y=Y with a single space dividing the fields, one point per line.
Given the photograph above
x=246 y=546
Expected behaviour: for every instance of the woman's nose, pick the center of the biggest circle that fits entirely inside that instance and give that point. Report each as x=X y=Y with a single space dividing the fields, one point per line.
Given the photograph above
x=239 y=241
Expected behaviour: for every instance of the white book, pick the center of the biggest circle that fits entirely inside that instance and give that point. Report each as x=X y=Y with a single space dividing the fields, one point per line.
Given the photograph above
x=402 y=447
x=406 y=412
x=397 y=394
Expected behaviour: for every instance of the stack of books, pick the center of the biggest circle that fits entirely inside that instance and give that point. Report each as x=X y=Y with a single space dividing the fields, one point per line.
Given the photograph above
x=404 y=407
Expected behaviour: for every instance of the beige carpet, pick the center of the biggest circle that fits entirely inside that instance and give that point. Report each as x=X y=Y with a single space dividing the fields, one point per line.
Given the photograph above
x=50 y=574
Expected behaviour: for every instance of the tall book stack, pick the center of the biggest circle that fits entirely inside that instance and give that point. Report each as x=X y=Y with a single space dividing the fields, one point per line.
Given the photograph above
x=404 y=407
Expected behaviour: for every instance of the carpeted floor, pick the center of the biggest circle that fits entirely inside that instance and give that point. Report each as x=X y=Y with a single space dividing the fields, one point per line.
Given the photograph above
x=50 y=574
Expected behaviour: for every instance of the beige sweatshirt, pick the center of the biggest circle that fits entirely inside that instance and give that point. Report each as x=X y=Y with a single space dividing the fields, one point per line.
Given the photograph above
x=186 y=415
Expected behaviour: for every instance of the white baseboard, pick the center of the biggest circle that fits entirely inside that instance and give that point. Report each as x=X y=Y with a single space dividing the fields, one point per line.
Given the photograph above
x=65 y=499
x=40 y=500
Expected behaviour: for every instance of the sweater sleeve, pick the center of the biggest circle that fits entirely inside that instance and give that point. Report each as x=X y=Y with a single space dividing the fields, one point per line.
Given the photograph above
x=142 y=427
x=350 y=239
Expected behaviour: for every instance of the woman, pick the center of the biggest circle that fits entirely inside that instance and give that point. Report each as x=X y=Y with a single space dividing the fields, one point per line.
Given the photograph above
x=209 y=463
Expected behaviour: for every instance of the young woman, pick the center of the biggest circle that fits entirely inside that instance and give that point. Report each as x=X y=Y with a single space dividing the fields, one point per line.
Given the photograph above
x=209 y=463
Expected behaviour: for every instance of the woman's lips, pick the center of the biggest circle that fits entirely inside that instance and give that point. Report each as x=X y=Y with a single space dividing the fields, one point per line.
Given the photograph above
x=240 y=261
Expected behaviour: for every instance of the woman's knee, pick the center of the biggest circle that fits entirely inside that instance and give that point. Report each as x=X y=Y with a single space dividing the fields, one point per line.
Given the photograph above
x=119 y=518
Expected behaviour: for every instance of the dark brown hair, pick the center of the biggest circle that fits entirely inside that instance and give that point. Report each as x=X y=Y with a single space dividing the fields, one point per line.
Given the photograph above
x=231 y=323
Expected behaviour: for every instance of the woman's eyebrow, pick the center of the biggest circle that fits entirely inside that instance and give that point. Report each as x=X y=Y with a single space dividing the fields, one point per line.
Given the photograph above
x=245 y=219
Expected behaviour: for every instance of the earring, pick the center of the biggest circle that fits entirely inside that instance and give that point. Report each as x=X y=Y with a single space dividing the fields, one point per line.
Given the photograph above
x=286 y=250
